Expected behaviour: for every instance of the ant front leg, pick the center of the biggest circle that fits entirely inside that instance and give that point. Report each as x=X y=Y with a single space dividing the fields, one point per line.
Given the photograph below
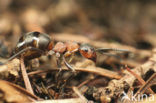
x=67 y=54
x=22 y=51
x=66 y=81
x=68 y=65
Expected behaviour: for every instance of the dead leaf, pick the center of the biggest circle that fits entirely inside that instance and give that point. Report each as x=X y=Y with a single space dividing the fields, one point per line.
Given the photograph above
x=12 y=93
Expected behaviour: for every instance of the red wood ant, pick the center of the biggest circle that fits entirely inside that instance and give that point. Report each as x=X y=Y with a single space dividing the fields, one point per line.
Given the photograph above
x=34 y=44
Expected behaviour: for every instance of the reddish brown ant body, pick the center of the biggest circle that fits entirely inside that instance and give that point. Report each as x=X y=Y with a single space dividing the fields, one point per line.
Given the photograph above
x=34 y=44
x=69 y=48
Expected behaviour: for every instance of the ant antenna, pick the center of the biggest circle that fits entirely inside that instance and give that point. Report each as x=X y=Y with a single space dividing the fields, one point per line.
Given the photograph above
x=111 y=49
x=104 y=50
x=109 y=54
x=20 y=52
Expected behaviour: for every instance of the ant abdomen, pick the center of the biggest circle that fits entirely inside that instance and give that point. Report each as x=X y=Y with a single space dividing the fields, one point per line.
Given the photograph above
x=34 y=44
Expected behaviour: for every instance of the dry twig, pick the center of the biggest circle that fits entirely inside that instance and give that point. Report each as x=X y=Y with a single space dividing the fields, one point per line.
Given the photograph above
x=25 y=77
x=151 y=81
x=139 y=79
x=90 y=69
x=80 y=95
x=14 y=93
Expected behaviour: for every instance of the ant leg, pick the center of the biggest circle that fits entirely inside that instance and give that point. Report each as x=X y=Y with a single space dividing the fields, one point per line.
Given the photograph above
x=60 y=69
x=68 y=65
x=66 y=81
x=58 y=61
x=20 y=52
x=59 y=64
x=67 y=54
x=71 y=58
x=51 y=52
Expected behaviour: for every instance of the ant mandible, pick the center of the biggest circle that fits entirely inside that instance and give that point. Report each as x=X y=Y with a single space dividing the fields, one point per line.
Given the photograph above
x=34 y=44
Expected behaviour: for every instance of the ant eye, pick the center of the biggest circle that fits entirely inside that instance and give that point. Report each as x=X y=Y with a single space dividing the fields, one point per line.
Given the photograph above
x=36 y=33
x=86 y=50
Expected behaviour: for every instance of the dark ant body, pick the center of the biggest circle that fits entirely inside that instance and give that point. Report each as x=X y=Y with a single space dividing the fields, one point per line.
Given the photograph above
x=36 y=41
x=34 y=44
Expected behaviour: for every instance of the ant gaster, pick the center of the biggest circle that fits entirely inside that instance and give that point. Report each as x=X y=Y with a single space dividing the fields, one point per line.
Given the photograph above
x=34 y=44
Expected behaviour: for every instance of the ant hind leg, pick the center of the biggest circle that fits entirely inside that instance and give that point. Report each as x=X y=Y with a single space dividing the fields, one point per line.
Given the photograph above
x=59 y=73
x=20 y=52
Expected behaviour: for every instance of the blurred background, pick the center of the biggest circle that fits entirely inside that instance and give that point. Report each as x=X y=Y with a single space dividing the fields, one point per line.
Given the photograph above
x=131 y=22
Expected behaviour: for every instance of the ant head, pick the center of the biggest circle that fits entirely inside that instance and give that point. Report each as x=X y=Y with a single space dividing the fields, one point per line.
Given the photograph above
x=88 y=52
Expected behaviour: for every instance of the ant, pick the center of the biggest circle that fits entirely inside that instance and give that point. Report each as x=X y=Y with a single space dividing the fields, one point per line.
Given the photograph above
x=34 y=44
